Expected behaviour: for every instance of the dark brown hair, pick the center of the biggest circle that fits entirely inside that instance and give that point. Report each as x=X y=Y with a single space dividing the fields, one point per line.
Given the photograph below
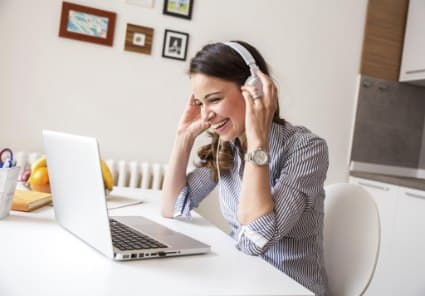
x=221 y=61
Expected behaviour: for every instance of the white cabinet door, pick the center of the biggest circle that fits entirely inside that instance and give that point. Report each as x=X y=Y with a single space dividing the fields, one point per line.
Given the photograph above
x=409 y=245
x=385 y=196
x=413 y=60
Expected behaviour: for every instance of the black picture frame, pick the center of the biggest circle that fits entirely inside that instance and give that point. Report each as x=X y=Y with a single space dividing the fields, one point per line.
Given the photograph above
x=175 y=45
x=183 y=11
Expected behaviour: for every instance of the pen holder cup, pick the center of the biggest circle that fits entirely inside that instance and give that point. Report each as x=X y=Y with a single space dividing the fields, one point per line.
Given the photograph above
x=8 y=179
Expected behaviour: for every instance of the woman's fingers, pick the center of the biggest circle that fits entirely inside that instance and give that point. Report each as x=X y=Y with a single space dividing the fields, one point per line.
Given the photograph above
x=191 y=99
x=248 y=94
x=200 y=127
x=190 y=104
x=247 y=97
x=269 y=89
x=251 y=98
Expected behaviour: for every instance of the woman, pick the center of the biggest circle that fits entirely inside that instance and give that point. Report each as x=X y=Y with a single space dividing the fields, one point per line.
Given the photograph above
x=273 y=201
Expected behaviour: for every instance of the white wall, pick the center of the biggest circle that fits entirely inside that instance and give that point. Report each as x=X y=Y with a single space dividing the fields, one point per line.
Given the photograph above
x=132 y=102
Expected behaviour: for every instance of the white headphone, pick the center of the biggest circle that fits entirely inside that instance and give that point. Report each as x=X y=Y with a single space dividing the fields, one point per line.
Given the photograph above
x=253 y=79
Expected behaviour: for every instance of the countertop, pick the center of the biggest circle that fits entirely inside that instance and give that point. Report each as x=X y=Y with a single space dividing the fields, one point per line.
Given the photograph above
x=414 y=183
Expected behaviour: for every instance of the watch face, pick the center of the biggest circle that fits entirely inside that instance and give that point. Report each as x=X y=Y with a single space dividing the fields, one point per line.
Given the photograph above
x=260 y=157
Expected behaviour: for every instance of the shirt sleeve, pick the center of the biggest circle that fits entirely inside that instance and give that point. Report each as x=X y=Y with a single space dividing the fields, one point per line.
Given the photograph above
x=199 y=185
x=302 y=177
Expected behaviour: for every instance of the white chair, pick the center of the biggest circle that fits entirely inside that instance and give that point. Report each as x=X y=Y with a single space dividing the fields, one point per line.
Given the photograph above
x=351 y=238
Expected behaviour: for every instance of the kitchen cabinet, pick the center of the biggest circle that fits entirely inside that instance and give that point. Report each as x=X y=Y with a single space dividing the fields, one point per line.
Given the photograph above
x=413 y=60
x=409 y=245
x=383 y=38
x=399 y=269
x=385 y=198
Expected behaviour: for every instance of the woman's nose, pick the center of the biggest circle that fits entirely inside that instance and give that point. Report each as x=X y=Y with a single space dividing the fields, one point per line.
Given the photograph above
x=207 y=114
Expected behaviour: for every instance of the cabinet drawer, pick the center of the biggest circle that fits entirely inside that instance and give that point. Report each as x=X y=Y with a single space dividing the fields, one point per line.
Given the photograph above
x=409 y=245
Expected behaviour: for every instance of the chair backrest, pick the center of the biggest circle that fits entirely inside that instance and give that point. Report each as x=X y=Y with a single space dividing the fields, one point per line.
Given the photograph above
x=351 y=238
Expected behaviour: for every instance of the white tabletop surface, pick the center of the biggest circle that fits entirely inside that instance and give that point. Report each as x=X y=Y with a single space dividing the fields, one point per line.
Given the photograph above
x=38 y=257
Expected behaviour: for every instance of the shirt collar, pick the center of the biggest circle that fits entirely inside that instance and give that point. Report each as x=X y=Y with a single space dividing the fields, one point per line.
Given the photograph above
x=236 y=144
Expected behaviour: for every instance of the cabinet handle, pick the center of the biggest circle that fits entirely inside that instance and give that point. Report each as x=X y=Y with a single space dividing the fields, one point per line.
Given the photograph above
x=415 y=71
x=374 y=186
x=415 y=195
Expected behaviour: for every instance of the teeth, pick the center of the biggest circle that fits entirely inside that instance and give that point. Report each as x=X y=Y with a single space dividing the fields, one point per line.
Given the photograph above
x=219 y=124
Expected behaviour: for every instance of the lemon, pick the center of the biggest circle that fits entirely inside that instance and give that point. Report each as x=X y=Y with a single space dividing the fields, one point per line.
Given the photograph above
x=39 y=176
x=108 y=180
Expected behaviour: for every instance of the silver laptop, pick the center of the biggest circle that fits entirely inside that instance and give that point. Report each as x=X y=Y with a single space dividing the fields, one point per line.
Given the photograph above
x=80 y=206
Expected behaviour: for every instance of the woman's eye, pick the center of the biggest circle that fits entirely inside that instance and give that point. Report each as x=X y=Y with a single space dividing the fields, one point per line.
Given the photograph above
x=197 y=103
x=214 y=100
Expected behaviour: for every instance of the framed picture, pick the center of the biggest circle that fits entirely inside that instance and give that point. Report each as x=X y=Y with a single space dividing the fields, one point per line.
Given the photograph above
x=178 y=8
x=175 y=45
x=87 y=24
x=138 y=39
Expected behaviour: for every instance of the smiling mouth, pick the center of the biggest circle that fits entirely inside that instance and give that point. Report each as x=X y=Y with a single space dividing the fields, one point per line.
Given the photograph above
x=220 y=124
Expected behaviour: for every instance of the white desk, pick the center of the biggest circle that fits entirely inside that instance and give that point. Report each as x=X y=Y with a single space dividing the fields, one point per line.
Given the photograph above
x=38 y=257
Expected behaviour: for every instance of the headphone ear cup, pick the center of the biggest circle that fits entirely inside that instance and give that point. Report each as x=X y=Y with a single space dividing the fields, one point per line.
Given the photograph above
x=253 y=80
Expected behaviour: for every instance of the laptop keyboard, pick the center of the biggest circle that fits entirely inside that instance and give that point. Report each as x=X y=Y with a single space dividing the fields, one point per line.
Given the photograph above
x=125 y=238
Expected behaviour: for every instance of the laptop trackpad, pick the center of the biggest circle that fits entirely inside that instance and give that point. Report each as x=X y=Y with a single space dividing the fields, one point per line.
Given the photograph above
x=145 y=225
x=155 y=229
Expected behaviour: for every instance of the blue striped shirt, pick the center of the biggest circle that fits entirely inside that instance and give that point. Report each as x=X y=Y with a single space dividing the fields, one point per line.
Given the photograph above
x=291 y=236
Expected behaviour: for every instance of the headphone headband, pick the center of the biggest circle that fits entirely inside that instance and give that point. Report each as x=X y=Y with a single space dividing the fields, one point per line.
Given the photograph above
x=253 y=79
x=244 y=53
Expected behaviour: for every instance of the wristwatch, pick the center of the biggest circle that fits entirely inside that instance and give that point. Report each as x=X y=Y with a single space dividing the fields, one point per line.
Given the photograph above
x=257 y=157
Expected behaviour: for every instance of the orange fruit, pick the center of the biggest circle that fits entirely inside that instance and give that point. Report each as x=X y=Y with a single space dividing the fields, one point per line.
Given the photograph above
x=39 y=177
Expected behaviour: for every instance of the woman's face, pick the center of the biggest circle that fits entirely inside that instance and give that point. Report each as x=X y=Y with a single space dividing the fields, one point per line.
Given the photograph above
x=221 y=103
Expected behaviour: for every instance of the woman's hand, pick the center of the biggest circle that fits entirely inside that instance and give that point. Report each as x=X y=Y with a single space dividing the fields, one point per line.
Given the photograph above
x=259 y=112
x=191 y=123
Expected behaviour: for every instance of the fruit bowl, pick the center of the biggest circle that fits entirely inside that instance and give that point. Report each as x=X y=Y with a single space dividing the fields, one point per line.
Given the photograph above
x=41 y=188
